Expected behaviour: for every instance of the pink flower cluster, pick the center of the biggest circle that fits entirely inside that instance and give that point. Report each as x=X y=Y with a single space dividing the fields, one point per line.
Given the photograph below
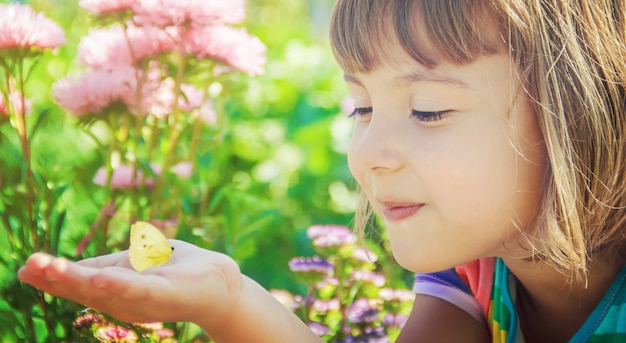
x=233 y=46
x=113 y=56
x=95 y=91
x=189 y=12
x=112 y=47
x=20 y=26
x=127 y=177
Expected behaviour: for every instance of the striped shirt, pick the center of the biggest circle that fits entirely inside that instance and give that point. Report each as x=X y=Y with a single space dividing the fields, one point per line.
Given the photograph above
x=486 y=289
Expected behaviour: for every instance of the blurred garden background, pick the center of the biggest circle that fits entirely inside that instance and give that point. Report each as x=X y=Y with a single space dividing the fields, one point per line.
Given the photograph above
x=238 y=147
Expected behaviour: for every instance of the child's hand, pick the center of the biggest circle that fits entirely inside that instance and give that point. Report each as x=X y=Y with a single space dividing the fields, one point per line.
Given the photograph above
x=196 y=285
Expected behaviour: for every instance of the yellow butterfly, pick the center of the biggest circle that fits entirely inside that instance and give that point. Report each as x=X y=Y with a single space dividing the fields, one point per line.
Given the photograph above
x=148 y=247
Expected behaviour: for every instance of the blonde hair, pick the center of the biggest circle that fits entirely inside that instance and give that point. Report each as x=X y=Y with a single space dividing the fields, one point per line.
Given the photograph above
x=572 y=55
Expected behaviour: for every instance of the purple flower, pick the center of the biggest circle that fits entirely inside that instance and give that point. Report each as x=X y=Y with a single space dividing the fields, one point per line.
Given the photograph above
x=325 y=306
x=396 y=295
x=313 y=264
x=361 y=312
x=326 y=236
x=377 y=279
x=319 y=328
x=364 y=255
x=395 y=320
x=376 y=335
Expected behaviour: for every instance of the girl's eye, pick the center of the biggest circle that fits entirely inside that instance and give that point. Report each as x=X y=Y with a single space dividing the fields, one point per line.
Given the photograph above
x=423 y=116
x=361 y=111
x=429 y=116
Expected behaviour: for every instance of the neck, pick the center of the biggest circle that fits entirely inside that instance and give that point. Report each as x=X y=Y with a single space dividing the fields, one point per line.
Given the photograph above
x=545 y=294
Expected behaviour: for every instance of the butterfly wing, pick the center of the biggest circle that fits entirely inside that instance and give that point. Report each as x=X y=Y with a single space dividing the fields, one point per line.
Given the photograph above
x=148 y=247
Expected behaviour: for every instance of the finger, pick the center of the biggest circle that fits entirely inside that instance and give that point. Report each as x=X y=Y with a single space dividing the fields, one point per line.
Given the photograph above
x=33 y=271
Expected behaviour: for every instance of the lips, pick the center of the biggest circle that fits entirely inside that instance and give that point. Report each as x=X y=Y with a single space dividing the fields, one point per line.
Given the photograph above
x=400 y=211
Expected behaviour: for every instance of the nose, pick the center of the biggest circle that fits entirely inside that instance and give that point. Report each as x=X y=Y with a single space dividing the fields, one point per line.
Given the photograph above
x=377 y=145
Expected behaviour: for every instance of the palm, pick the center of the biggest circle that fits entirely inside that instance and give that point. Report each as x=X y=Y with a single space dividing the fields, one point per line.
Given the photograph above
x=194 y=279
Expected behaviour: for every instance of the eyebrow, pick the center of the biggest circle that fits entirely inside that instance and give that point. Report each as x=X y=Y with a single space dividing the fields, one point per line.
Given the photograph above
x=417 y=76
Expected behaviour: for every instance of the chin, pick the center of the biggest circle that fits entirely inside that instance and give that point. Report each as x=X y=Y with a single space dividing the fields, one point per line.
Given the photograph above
x=423 y=264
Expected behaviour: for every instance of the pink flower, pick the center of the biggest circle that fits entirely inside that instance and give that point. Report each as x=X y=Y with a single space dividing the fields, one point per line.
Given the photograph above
x=182 y=169
x=206 y=113
x=113 y=47
x=122 y=177
x=20 y=26
x=165 y=333
x=115 y=334
x=191 y=97
x=233 y=46
x=3 y=107
x=86 y=320
x=156 y=95
x=22 y=105
x=104 y=49
x=107 y=6
x=193 y=13
x=93 y=92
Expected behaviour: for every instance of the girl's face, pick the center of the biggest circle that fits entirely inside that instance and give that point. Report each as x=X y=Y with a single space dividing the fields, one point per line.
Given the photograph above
x=451 y=158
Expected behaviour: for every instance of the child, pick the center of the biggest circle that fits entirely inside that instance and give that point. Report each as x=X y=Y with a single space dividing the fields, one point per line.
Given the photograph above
x=489 y=137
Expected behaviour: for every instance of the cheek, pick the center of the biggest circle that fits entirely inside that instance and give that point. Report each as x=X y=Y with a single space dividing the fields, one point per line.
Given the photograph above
x=487 y=178
x=353 y=161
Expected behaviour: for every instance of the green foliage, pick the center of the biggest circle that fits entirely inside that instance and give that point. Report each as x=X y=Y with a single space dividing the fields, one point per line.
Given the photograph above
x=271 y=165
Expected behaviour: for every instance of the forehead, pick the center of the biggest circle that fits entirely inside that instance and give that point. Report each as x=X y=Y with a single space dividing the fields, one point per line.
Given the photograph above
x=363 y=32
x=491 y=75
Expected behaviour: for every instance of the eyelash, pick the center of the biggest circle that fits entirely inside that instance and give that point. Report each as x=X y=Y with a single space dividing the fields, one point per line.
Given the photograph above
x=424 y=116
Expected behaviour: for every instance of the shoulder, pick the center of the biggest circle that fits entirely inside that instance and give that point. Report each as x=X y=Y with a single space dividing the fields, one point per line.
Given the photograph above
x=435 y=320
x=467 y=286
x=448 y=305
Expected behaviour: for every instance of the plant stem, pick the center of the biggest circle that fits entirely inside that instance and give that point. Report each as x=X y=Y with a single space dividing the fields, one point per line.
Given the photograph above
x=173 y=139
x=5 y=218
x=20 y=125
x=195 y=138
